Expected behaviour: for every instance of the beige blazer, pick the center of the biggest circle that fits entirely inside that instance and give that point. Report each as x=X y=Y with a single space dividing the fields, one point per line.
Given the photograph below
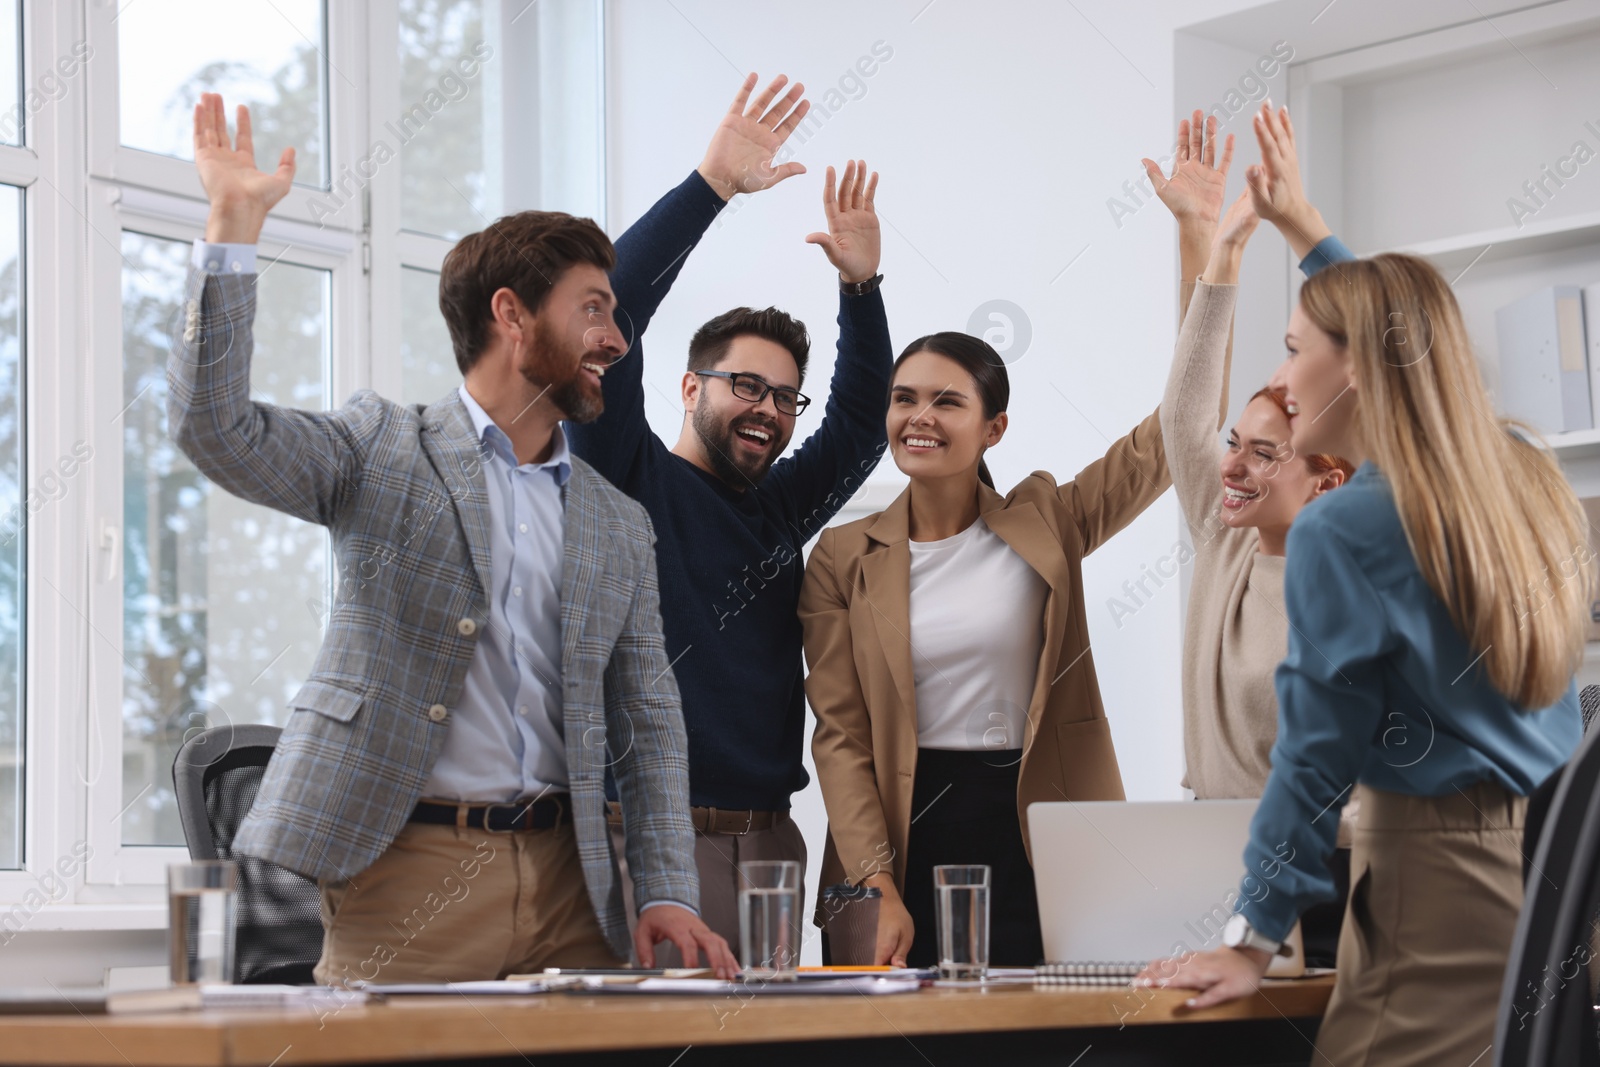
x=855 y=607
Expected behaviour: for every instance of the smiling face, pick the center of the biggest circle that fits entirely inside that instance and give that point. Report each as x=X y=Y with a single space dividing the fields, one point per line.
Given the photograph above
x=1323 y=391
x=572 y=341
x=1264 y=482
x=936 y=422
x=741 y=440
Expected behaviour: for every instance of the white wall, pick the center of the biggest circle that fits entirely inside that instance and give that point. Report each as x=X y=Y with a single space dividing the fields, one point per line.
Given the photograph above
x=1000 y=130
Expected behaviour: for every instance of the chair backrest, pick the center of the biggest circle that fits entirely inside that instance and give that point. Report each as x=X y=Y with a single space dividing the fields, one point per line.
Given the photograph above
x=1589 y=703
x=1546 y=1012
x=216 y=775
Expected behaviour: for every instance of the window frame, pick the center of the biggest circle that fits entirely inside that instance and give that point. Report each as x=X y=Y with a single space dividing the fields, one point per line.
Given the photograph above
x=81 y=188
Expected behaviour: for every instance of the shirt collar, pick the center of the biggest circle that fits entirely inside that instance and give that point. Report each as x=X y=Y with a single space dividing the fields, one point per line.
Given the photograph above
x=560 y=462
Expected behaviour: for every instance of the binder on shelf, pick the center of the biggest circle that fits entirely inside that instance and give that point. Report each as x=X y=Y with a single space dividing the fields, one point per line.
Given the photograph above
x=1591 y=337
x=1544 y=370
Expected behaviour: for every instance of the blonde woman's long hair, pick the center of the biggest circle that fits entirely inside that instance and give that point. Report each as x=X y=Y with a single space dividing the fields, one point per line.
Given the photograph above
x=1498 y=533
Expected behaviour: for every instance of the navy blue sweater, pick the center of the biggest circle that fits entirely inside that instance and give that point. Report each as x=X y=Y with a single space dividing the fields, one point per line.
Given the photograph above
x=729 y=562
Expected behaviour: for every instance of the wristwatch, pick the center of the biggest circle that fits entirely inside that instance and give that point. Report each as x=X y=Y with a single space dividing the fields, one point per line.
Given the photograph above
x=1238 y=933
x=860 y=288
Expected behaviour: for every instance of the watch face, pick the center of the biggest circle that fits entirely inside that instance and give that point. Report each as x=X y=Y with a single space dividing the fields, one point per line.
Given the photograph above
x=1233 y=934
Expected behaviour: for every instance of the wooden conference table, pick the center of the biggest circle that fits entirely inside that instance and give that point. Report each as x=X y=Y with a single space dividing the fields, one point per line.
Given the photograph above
x=1009 y=1025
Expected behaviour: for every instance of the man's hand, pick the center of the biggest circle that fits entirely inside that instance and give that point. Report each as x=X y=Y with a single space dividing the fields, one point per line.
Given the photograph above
x=1275 y=185
x=853 y=242
x=1222 y=974
x=739 y=158
x=1194 y=192
x=240 y=194
x=670 y=922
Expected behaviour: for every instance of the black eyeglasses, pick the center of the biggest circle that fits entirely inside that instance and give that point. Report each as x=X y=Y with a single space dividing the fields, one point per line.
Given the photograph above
x=749 y=387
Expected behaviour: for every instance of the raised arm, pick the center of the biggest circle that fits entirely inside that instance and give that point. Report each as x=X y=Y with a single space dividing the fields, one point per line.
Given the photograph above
x=1280 y=196
x=833 y=462
x=1199 y=373
x=650 y=254
x=302 y=463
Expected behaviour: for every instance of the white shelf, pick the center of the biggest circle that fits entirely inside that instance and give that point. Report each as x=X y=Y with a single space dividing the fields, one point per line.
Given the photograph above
x=1453 y=254
x=1579 y=444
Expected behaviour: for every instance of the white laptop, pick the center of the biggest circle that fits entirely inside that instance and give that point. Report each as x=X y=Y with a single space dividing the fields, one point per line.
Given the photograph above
x=1127 y=882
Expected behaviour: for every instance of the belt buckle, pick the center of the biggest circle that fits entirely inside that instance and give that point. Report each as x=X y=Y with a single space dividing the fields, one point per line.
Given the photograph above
x=749 y=821
x=525 y=809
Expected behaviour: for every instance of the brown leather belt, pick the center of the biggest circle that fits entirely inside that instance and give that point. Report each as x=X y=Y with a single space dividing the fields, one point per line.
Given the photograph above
x=716 y=820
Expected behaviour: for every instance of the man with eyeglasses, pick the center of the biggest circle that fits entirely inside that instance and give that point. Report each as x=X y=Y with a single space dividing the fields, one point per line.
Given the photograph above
x=730 y=516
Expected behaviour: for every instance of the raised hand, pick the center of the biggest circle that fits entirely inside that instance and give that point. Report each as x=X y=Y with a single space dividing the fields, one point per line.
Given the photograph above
x=240 y=194
x=1275 y=185
x=1194 y=192
x=1227 y=249
x=739 y=157
x=853 y=243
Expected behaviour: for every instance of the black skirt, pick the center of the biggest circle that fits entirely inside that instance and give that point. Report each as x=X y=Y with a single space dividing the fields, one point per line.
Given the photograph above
x=964 y=810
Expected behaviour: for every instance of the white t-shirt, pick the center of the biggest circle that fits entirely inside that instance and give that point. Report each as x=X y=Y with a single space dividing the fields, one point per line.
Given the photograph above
x=977 y=628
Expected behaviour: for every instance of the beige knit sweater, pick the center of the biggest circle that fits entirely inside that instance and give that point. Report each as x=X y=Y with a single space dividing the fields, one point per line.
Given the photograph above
x=1236 y=631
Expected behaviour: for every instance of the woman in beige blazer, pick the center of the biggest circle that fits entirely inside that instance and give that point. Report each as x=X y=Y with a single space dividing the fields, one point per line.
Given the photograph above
x=948 y=649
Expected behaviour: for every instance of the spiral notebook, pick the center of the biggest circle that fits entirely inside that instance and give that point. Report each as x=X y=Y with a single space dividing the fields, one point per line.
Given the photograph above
x=1092 y=973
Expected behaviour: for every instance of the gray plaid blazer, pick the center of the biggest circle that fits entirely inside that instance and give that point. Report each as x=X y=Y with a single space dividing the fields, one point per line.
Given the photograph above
x=402 y=491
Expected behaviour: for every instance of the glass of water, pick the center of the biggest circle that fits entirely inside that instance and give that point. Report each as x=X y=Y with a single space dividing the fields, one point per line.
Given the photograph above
x=201 y=899
x=961 y=905
x=769 y=918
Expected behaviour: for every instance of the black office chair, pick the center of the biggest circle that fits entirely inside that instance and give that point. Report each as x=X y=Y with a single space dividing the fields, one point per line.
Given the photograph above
x=1547 y=1014
x=279 y=930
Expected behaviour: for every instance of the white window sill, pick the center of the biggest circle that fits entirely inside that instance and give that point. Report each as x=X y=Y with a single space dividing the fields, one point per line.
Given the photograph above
x=95 y=917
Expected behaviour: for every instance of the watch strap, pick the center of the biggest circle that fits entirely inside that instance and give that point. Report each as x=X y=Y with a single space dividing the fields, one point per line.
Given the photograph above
x=860 y=288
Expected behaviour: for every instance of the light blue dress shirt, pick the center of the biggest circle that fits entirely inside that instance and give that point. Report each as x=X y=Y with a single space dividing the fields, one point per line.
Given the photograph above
x=505 y=739
x=1379 y=687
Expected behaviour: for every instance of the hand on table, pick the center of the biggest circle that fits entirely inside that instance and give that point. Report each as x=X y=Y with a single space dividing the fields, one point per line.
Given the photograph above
x=853 y=242
x=671 y=922
x=1221 y=975
x=894 y=924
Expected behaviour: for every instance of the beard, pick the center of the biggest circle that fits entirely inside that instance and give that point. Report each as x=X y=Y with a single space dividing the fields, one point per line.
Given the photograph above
x=729 y=461
x=556 y=368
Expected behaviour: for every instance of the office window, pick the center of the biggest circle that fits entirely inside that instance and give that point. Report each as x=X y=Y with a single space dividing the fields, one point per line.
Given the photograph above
x=427 y=362
x=222 y=599
x=13 y=527
x=443 y=89
x=10 y=85
x=267 y=54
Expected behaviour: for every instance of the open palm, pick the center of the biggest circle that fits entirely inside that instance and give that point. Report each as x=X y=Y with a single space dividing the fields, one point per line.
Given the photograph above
x=239 y=192
x=853 y=242
x=739 y=157
x=1195 y=189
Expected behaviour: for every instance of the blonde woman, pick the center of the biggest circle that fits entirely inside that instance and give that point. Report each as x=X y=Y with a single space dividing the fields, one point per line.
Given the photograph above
x=1437 y=607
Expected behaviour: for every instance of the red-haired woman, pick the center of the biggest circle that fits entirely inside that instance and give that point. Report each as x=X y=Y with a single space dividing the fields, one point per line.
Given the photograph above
x=1239 y=500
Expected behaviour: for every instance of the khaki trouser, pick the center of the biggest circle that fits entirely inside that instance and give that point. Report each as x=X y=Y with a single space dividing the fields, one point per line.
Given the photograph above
x=1435 y=888
x=446 y=904
x=717 y=858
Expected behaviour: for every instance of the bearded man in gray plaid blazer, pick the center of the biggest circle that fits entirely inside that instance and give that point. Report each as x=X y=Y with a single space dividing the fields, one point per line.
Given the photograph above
x=442 y=771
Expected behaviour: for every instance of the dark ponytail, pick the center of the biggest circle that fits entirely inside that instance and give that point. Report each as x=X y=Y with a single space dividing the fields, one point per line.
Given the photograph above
x=979 y=359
